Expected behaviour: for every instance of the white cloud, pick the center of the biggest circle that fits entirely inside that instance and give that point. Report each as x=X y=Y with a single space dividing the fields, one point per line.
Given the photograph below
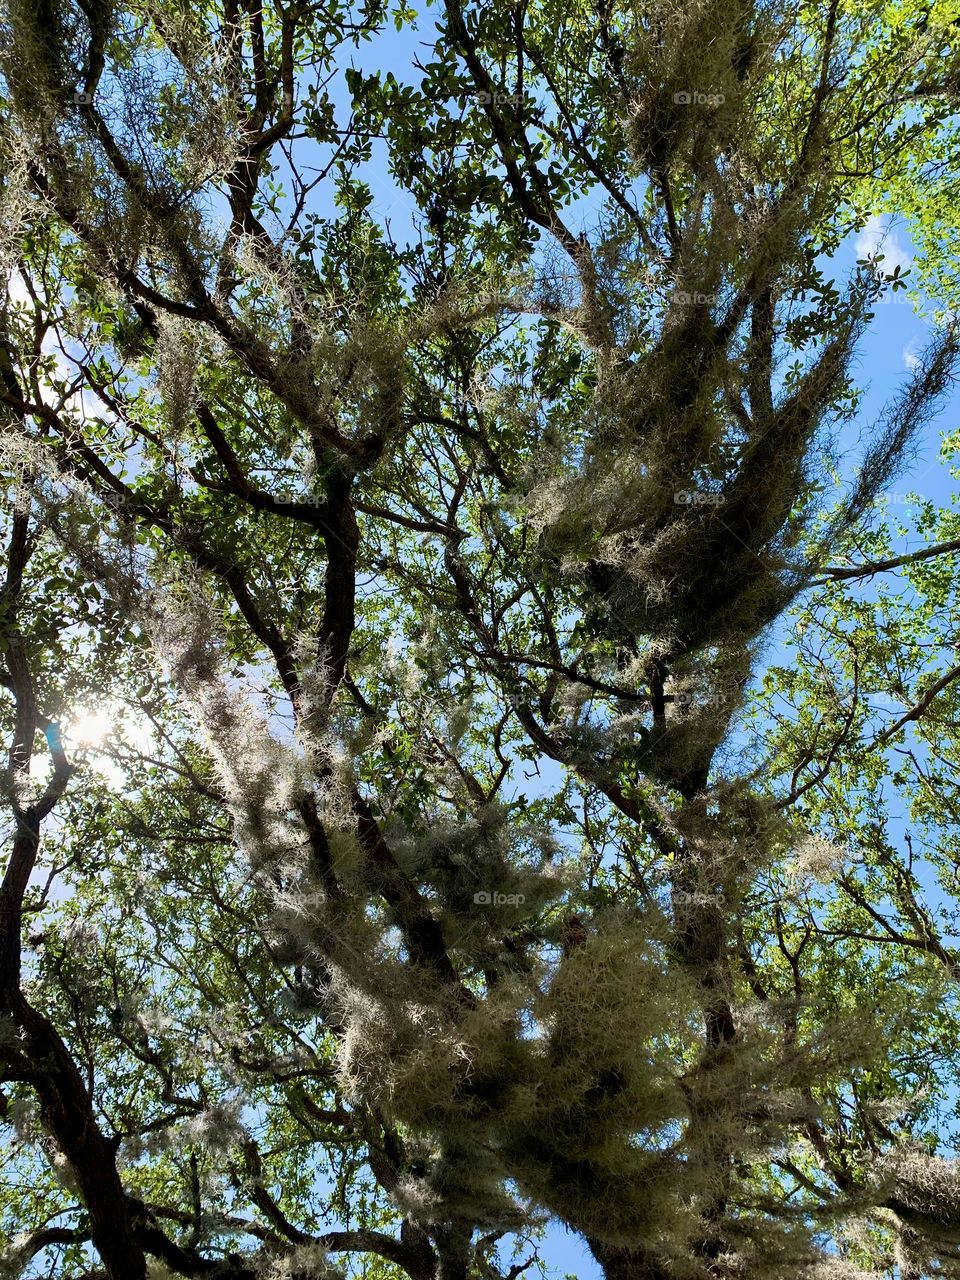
x=911 y=354
x=81 y=401
x=879 y=237
x=16 y=289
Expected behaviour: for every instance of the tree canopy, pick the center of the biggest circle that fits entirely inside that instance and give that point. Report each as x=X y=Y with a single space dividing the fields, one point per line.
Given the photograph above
x=478 y=752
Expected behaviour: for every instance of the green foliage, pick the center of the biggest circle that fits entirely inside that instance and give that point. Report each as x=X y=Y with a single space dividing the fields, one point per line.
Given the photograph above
x=451 y=863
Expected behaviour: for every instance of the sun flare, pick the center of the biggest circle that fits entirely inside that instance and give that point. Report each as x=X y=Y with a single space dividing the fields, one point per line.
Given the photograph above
x=89 y=728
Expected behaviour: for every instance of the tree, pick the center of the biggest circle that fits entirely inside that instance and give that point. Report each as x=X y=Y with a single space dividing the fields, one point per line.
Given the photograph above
x=345 y=523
